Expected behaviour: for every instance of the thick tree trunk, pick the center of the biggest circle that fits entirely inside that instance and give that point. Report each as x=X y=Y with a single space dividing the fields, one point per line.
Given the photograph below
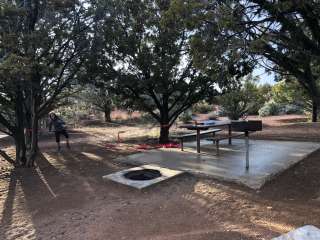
x=314 y=111
x=164 y=123
x=19 y=135
x=164 y=134
x=35 y=103
x=21 y=151
x=28 y=126
x=107 y=114
x=34 y=142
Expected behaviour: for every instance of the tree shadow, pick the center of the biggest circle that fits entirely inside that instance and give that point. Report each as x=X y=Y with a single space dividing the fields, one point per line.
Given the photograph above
x=6 y=142
x=6 y=215
x=42 y=190
x=7 y=158
x=69 y=180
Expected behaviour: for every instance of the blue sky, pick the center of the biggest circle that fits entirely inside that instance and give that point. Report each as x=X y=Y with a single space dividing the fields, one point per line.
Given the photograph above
x=264 y=77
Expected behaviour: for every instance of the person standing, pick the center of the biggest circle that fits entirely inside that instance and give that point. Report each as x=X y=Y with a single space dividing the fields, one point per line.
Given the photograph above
x=59 y=128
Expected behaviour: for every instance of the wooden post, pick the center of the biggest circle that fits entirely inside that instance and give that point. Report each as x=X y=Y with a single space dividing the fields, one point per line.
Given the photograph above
x=181 y=143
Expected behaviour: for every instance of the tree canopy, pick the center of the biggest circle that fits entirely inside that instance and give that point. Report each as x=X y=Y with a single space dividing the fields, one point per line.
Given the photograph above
x=160 y=57
x=41 y=47
x=287 y=33
x=151 y=46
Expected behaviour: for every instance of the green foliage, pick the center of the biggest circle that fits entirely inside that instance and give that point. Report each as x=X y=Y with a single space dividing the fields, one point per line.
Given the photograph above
x=146 y=118
x=216 y=46
x=42 y=45
x=245 y=99
x=270 y=109
x=186 y=117
x=287 y=97
x=290 y=93
x=293 y=109
x=202 y=107
x=290 y=40
x=149 y=53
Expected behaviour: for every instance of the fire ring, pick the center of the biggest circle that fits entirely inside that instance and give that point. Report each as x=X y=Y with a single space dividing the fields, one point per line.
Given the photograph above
x=142 y=175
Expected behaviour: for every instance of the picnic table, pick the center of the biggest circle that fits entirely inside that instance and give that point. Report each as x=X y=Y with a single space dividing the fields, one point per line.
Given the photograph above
x=205 y=125
x=239 y=126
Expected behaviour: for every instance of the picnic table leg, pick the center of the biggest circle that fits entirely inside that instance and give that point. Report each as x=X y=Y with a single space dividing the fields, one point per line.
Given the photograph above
x=181 y=144
x=230 y=134
x=198 y=140
x=247 y=150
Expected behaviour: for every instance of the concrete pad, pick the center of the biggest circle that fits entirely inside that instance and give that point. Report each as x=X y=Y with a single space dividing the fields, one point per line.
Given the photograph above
x=267 y=159
x=165 y=175
x=307 y=232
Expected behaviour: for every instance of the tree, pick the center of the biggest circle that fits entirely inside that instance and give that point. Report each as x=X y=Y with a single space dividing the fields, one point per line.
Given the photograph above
x=11 y=103
x=100 y=98
x=290 y=93
x=287 y=33
x=246 y=98
x=148 y=45
x=41 y=47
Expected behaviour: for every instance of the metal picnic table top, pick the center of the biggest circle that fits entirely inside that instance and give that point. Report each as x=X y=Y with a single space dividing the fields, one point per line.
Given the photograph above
x=205 y=125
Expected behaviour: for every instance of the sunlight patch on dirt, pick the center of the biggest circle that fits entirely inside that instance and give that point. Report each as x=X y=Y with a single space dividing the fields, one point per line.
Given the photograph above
x=275 y=226
x=92 y=156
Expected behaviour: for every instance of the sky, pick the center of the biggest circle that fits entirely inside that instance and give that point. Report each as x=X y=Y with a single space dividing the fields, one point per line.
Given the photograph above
x=264 y=77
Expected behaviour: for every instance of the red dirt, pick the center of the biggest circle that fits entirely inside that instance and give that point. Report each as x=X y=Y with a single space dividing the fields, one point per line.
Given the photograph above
x=65 y=197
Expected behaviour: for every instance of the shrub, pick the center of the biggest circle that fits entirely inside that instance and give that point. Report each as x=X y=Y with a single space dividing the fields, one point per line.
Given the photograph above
x=146 y=118
x=244 y=99
x=202 y=107
x=185 y=117
x=293 y=109
x=270 y=109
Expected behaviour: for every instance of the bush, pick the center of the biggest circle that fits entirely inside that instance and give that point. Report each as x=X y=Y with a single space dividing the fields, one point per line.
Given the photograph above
x=270 y=109
x=146 y=118
x=293 y=109
x=202 y=107
x=185 y=117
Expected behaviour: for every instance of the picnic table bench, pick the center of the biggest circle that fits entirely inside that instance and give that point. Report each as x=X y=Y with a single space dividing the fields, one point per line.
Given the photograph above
x=216 y=139
x=189 y=135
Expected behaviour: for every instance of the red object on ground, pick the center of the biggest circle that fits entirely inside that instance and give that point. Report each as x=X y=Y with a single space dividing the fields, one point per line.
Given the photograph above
x=155 y=146
x=170 y=145
x=147 y=146
x=108 y=145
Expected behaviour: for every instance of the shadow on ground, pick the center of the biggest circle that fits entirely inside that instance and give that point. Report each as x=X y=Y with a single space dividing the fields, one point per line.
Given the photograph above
x=64 y=197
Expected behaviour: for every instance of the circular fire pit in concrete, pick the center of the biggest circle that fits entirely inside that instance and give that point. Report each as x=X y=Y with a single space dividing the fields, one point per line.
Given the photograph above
x=142 y=175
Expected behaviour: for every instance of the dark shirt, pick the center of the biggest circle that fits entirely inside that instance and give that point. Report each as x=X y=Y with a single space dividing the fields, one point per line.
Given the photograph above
x=58 y=124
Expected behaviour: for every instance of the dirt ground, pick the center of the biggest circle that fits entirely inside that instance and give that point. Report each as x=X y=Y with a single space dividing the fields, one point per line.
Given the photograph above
x=64 y=197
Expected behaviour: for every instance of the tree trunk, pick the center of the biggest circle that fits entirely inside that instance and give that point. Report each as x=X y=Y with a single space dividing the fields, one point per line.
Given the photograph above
x=28 y=126
x=164 y=134
x=314 y=111
x=35 y=103
x=107 y=113
x=34 y=141
x=164 y=123
x=21 y=156
x=19 y=135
